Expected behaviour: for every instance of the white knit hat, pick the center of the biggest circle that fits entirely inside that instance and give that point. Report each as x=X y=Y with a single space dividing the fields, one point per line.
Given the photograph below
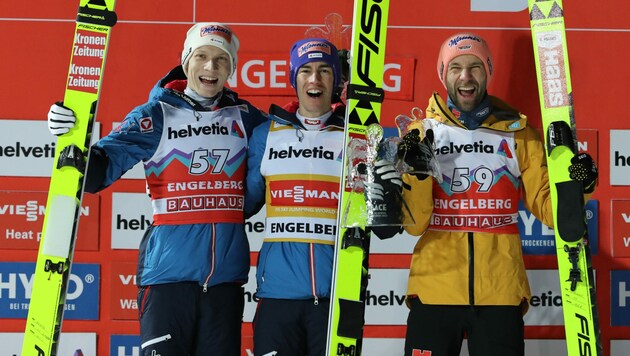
x=211 y=34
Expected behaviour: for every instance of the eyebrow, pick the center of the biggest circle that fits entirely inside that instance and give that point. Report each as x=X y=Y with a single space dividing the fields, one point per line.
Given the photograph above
x=478 y=62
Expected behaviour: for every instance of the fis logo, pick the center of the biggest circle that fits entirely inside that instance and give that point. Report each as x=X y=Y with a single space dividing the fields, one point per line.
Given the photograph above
x=584 y=336
x=370 y=40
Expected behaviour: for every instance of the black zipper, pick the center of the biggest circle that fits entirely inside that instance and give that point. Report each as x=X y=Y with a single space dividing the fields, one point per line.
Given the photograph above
x=471 y=269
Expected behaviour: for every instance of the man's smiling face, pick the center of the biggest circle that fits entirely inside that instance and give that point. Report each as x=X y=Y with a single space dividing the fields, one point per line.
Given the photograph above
x=208 y=70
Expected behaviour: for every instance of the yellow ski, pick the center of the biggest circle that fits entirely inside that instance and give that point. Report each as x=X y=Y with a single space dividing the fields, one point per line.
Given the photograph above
x=364 y=98
x=56 y=248
x=577 y=284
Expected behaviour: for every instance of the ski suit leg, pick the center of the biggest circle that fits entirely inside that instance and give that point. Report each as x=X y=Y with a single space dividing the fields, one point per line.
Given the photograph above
x=220 y=320
x=496 y=330
x=435 y=330
x=181 y=319
x=168 y=314
x=290 y=327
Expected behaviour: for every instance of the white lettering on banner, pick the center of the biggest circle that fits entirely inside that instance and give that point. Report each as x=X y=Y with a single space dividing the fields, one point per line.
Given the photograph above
x=626 y=241
x=128 y=304
x=396 y=79
x=260 y=75
x=32 y=210
x=473 y=204
x=498 y=5
x=204 y=185
x=479 y=221
x=86 y=51
x=626 y=217
x=529 y=220
x=623 y=294
x=19 y=235
x=75 y=283
x=90 y=40
x=273 y=79
x=538 y=243
x=122 y=351
x=256 y=74
x=299 y=193
x=582 y=146
x=84 y=70
x=205 y=202
x=126 y=280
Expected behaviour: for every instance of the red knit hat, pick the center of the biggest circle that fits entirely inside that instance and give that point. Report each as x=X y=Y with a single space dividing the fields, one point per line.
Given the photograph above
x=460 y=44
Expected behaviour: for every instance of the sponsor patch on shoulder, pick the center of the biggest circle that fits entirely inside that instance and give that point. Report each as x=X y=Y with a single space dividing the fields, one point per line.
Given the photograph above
x=146 y=124
x=515 y=125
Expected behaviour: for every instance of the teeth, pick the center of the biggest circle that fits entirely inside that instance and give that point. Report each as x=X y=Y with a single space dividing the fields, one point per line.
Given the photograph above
x=314 y=91
x=208 y=78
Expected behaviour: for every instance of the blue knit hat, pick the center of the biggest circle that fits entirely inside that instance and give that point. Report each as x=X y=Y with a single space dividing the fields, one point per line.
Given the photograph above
x=314 y=50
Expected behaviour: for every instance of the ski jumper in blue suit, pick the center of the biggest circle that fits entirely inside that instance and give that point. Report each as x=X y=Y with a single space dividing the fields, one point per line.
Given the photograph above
x=194 y=160
x=295 y=171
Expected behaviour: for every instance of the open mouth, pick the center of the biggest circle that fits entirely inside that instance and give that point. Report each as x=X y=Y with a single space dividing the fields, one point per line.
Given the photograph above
x=208 y=80
x=314 y=93
x=466 y=91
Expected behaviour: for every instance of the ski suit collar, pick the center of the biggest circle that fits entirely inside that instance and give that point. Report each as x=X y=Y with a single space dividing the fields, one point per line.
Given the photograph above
x=286 y=115
x=472 y=119
x=503 y=117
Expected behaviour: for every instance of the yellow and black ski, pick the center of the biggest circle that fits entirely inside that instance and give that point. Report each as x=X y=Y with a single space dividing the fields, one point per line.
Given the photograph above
x=95 y=19
x=577 y=284
x=364 y=99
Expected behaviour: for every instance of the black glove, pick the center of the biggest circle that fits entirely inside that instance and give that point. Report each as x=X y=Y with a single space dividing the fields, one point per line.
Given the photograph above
x=417 y=154
x=584 y=169
x=384 y=199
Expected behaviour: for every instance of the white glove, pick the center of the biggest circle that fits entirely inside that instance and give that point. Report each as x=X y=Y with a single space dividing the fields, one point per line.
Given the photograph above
x=60 y=119
x=386 y=180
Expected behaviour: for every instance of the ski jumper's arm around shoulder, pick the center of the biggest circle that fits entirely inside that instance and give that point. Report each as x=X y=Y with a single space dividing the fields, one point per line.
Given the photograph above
x=255 y=185
x=133 y=141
